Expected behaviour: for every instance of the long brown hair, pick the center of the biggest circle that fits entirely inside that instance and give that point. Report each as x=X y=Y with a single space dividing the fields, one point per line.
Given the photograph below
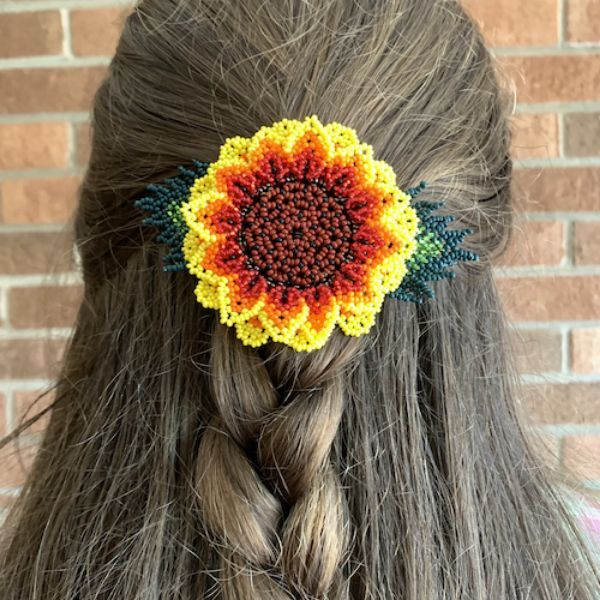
x=179 y=463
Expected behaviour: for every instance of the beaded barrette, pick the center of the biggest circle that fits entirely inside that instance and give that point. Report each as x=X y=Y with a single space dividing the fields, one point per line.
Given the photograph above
x=298 y=228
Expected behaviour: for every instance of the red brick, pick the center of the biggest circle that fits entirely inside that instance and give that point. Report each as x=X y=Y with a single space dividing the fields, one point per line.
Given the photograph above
x=96 y=32
x=503 y=21
x=562 y=404
x=581 y=455
x=15 y=463
x=586 y=247
x=27 y=406
x=33 y=145
x=583 y=21
x=33 y=358
x=564 y=189
x=7 y=500
x=49 y=90
x=60 y=305
x=30 y=34
x=556 y=78
x=562 y=298
x=585 y=350
x=537 y=350
x=535 y=136
x=40 y=252
x=535 y=243
x=82 y=143
x=582 y=134
x=41 y=200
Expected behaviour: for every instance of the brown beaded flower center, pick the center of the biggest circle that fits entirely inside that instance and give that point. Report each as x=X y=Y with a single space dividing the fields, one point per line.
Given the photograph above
x=296 y=234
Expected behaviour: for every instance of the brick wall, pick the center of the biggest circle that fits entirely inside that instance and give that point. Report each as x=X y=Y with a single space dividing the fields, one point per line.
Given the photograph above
x=53 y=54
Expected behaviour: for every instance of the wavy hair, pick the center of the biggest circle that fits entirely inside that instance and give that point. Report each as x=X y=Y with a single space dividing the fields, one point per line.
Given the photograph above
x=179 y=463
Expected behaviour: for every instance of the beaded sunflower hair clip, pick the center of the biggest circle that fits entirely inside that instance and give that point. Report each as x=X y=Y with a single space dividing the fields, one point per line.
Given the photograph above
x=298 y=229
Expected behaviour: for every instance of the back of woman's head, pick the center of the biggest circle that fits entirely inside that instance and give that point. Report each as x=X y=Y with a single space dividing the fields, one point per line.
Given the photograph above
x=180 y=463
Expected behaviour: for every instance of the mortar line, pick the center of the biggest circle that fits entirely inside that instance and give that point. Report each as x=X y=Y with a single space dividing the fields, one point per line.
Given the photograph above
x=44 y=117
x=566 y=352
x=71 y=150
x=36 y=228
x=65 y=18
x=25 y=384
x=37 y=5
x=41 y=173
x=562 y=22
x=4 y=305
x=562 y=142
x=555 y=325
x=570 y=429
x=559 y=107
x=52 y=62
x=557 y=162
x=545 y=271
x=528 y=379
x=35 y=334
x=41 y=279
x=592 y=48
x=560 y=215
x=565 y=260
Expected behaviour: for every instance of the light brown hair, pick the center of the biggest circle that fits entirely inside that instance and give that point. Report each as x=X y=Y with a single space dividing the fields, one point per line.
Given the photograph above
x=180 y=464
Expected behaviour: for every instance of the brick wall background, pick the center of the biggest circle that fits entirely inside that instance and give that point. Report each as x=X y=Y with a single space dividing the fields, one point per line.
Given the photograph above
x=53 y=54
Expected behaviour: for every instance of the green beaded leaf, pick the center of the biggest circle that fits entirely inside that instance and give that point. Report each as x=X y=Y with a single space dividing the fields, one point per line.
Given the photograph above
x=163 y=201
x=437 y=251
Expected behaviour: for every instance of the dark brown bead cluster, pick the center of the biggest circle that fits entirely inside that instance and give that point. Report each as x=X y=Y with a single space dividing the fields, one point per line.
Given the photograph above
x=296 y=234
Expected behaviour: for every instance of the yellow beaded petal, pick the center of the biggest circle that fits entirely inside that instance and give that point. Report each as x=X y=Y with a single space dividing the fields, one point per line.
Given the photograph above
x=313 y=132
x=232 y=313
x=207 y=293
x=357 y=319
x=343 y=138
x=196 y=213
x=285 y=132
x=252 y=334
x=286 y=333
x=234 y=150
x=307 y=337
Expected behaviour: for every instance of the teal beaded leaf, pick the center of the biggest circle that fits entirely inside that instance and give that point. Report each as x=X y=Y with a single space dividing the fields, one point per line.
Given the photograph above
x=163 y=201
x=436 y=253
